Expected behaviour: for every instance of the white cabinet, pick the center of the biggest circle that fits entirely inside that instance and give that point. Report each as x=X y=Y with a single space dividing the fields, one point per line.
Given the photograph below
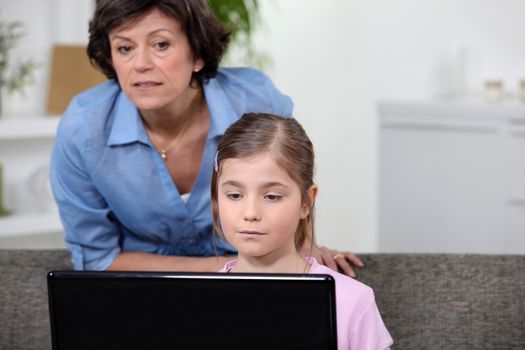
x=452 y=177
x=25 y=148
x=516 y=178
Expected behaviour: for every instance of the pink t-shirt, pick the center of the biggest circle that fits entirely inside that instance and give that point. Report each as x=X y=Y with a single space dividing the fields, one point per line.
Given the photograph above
x=359 y=324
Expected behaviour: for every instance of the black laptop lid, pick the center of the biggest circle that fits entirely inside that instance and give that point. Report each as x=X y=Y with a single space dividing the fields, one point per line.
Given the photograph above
x=130 y=310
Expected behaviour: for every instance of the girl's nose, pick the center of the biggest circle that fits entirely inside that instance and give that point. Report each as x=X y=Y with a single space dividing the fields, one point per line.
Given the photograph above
x=251 y=212
x=252 y=217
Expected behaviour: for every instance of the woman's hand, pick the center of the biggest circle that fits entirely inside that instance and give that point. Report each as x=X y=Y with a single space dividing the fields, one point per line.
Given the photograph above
x=337 y=261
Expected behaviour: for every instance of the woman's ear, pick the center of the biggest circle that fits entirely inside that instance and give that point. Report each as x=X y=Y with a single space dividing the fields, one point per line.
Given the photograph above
x=307 y=207
x=198 y=64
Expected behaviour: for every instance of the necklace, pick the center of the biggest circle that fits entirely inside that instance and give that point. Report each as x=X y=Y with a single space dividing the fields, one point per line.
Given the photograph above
x=196 y=107
x=164 y=151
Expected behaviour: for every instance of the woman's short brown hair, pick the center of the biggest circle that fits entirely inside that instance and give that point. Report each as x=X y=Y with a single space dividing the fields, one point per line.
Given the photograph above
x=207 y=37
x=288 y=145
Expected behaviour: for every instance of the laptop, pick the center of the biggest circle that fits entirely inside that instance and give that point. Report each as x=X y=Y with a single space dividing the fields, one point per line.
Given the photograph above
x=157 y=310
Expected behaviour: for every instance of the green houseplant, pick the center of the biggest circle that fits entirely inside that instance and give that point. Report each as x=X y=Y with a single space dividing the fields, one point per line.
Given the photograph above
x=13 y=77
x=242 y=17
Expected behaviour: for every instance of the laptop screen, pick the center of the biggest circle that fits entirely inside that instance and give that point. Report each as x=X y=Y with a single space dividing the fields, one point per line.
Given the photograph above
x=141 y=310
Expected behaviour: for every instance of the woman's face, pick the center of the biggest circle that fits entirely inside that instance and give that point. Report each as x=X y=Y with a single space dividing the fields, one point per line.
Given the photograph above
x=153 y=61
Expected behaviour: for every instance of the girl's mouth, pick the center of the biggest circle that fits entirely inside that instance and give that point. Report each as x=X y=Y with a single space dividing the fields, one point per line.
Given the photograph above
x=252 y=233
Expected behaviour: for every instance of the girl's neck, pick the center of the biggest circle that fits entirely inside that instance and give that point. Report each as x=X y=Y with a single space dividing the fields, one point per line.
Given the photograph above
x=290 y=263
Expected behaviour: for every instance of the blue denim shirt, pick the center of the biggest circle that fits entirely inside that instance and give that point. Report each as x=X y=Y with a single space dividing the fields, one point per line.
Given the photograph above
x=114 y=191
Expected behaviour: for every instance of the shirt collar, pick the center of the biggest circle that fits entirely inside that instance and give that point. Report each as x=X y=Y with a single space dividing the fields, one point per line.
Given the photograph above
x=309 y=260
x=127 y=123
x=128 y=126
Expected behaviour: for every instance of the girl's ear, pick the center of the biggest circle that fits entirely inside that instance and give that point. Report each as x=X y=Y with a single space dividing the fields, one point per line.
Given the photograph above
x=312 y=195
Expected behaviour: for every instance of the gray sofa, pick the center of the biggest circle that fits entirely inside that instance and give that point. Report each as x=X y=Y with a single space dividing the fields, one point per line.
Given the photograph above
x=433 y=301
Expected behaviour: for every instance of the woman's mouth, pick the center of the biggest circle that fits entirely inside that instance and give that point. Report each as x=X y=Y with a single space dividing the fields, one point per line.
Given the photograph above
x=146 y=84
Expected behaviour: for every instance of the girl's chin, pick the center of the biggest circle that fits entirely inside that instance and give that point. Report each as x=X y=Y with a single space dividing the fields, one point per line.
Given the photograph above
x=252 y=253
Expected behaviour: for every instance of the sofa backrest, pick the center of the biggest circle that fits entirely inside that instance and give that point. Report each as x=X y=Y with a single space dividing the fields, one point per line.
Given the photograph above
x=432 y=301
x=447 y=301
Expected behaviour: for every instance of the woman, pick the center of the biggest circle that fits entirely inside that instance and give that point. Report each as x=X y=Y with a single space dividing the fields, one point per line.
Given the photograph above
x=132 y=162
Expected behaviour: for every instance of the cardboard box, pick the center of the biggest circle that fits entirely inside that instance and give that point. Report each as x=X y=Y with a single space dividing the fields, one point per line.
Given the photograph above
x=71 y=73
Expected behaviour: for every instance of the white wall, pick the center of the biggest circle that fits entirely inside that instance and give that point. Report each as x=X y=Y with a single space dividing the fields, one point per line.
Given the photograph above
x=336 y=59
x=316 y=48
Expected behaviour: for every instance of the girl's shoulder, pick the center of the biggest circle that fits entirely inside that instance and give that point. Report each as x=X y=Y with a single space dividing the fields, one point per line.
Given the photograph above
x=228 y=266
x=346 y=287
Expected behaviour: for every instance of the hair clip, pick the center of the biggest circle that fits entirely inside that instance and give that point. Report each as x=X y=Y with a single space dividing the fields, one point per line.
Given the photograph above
x=216 y=162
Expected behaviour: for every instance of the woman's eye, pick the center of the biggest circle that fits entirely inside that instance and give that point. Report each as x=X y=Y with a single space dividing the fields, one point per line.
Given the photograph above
x=273 y=197
x=124 y=49
x=162 y=45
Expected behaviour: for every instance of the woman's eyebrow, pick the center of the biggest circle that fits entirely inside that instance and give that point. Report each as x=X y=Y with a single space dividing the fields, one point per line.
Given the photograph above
x=153 y=32
x=160 y=30
x=115 y=37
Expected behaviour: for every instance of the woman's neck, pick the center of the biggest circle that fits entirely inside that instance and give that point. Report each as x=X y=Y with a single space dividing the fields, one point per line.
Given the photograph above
x=168 y=121
x=290 y=263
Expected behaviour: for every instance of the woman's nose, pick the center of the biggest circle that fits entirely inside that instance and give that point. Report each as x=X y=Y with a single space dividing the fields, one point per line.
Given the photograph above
x=143 y=60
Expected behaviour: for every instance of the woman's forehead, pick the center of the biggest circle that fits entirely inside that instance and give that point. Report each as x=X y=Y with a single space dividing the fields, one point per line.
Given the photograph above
x=153 y=18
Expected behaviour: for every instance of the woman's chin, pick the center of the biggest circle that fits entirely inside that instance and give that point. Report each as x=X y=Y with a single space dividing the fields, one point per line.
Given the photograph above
x=149 y=107
x=149 y=103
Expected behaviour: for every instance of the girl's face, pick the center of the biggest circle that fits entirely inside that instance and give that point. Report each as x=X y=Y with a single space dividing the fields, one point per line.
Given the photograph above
x=153 y=61
x=259 y=207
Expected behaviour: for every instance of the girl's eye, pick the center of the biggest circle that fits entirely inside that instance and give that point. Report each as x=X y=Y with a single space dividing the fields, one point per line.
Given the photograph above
x=234 y=196
x=124 y=49
x=273 y=197
x=162 y=45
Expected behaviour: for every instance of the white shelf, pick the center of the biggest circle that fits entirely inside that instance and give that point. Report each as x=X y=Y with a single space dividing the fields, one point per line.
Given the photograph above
x=469 y=110
x=39 y=129
x=29 y=224
x=12 y=128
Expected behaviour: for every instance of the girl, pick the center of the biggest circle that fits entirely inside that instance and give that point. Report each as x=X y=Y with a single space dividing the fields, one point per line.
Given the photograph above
x=263 y=198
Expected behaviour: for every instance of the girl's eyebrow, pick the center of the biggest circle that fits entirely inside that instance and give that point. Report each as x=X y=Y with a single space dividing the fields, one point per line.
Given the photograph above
x=232 y=183
x=118 y=36
x=274 y=184
x=270 y=184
